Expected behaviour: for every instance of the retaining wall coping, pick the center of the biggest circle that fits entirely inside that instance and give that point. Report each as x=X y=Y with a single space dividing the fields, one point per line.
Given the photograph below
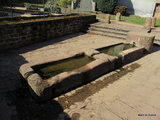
x=43 y=20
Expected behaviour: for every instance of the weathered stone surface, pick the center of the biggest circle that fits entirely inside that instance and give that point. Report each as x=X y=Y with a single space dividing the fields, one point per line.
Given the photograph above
x=148 y=23
x=29 y=32
x=153 y=22
x=118 y=16
x=101 y=56
x=131 y=55
x=42 y=90
x=34 y=81
x=91 y=52
x=112 y=62
x=107 y=18
x=141 y=38
x=26 y=70
x=98 y=68
x=105 y=57
x=64 y=82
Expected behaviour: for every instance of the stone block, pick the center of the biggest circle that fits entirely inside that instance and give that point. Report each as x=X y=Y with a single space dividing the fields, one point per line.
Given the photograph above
x=148 y=24
x=118 y=16
x=112 y=62
x=107 y=20
x=141 y=38
x=153 y=22
x=64 y=82
x=34 y=81
x=98 y=68
x=105 y=57
x=101 y=56
x=131 y=55
x=91 y=52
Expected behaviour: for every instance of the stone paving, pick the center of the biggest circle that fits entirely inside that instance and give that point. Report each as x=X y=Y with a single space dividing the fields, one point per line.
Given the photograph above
x=134 y=96
x=10 y=61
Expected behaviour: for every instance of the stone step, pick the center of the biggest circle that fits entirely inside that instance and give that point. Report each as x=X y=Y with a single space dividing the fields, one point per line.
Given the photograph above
x=110 y=27
x=107 y=34
x=109 y=31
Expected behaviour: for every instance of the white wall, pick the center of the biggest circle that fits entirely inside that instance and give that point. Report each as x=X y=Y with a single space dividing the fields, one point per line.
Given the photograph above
x=143 y=8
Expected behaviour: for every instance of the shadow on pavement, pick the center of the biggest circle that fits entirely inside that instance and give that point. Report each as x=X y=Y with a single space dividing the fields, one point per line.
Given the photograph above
x=46 y=43
x=16 y=103
x=155 y=48
x=28 y=109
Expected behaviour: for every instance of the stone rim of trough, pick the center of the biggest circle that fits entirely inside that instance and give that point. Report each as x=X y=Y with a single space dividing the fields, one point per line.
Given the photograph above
x=38 y=85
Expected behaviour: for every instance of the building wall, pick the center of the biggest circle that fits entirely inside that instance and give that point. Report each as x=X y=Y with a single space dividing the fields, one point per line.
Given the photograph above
x=17 y=34
x=143 y=8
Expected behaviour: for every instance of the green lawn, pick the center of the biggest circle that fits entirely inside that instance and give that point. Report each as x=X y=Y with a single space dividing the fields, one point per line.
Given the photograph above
x=130 y=19
x=158 y=23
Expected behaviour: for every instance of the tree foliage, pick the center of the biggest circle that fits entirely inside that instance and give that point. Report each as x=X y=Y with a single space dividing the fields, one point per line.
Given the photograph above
x=121 y=9
x=51 y=7
x=64 y=3
x=106 y=6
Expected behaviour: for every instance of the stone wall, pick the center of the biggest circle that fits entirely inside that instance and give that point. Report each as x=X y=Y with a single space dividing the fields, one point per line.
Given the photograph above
x=17 y=34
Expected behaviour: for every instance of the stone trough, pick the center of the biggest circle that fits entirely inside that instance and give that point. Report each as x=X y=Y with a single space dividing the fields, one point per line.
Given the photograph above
x=75 y=71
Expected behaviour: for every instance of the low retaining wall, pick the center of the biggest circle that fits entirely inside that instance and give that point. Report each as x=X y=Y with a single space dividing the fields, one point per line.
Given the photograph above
x=17 y=34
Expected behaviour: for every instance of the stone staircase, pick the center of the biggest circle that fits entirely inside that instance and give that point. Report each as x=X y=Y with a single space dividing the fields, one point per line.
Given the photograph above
x=110 y=30
x=114 y=30
x=107 y=30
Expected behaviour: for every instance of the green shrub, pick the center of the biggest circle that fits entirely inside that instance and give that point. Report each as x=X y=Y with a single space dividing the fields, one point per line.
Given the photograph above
x=27 y=6
x=64 y=3
x=106 y=6
x=51 y=7
x=121 y=9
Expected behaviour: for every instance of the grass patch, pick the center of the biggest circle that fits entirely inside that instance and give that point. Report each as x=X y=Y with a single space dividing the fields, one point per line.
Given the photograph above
x=38 y=5
x=134 y=19
x=130 y=19
x=158 y=23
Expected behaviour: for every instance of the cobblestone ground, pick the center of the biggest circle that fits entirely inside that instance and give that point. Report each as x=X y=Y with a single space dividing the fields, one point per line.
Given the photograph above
x=133 y=94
